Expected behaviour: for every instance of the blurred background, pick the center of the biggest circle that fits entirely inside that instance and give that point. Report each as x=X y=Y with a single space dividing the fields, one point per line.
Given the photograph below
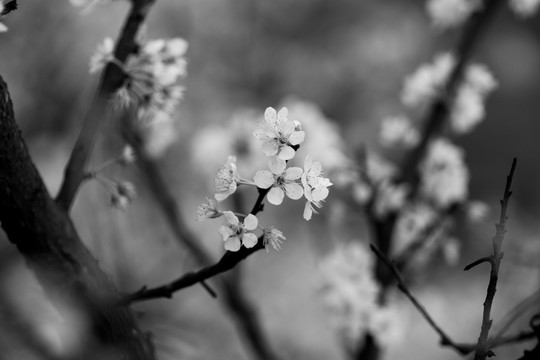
x=347 y=57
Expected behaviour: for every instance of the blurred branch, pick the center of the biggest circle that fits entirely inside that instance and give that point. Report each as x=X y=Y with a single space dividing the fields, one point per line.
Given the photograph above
x=517 y=311
x=111 y=80
x=482 y=350
x=46 y=237
x=240 y=308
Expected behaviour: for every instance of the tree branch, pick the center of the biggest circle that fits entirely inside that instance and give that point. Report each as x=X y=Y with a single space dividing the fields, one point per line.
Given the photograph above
x=46 y=238
x=111 y=80
x=482 y=350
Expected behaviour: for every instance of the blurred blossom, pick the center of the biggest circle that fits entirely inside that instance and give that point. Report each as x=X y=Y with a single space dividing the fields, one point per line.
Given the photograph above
x=157 y=130
x=477 y=210
x=390 y=197
x=3 y=28
x=398 y=131
x=236 y=234
x=451 y=13
x=377 y=168
x=87 y=5
x=233 y=137
x=279 y=134
x=525 y=8
x=444 y=174
x=413 y=220
x=427 y=81
x=323 y=139
x=128 y=156
x=349 y=292
x=280 y=180
x=451 y=249
x=102 y=55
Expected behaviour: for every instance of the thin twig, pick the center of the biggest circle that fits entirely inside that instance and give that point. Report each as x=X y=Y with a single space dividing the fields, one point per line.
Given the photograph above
x=111 y=80
x=482 y=349
x=445 y=340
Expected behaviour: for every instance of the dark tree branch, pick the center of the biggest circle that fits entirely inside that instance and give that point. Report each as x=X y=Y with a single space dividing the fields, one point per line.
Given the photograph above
x=46 y=238
x=111 y=80
x=482 y=350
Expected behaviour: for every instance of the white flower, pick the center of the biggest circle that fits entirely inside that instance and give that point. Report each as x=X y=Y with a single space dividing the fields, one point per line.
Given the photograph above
x=128 y=155
x=226 y=179
x=398 y=131
x=411 y=224
x=451 y=249
x=279 y=134
x=476 y=210
x=127 y=190
x=315 y=186
x=281 y=180
x=208 y=210
x=3 y=28
x=157 y=131
x=444 y=175
x=480 y=79
x=273 y=237
x=377 y=168
x=450 y=13
x=323 y=140
x=390 y=197
x=235 y=234
x=427 y=81
x=102 y=55
x=525 y=8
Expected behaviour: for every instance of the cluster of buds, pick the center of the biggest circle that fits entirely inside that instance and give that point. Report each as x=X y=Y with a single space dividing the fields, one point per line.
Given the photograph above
x=281 y=138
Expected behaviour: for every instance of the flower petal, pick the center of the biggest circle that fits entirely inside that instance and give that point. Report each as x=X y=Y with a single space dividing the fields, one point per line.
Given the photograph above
x=220 y=196
x=225 y=232
x=270 y=116
x=293 y=173
x=294 y=191
x=270 y=148
x=297 y=137
x=308 y=211
x=264 y=179
x=249 y=240
x=277 y=166
x=233 y=244
x=283 y=114
x=286 y=127
x=275 y=196
x=251 y=222
x=286 y=153
x=319 y=194
x=231 y=218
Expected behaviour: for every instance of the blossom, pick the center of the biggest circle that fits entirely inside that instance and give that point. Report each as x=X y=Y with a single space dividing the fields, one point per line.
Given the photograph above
x=315 y=186
x=390 y=197
x=235 y=234
x=226 y=179
x=273 y=237
x=444 y=175
x=398 y=131
x=280 y=180
x=128 y=155
x=476 y=210
x=411 y=224
x=279 y=134
x=123 y=195
x=427 y=81
x=102 y=55
x=157 y=131
x=208 y=210
x=3 y=28
x=450 y=13
x=525 y=8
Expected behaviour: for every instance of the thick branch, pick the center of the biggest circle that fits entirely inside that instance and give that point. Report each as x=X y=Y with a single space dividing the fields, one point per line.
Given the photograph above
x=46 y=238
x=482 y=349
x=112 y=79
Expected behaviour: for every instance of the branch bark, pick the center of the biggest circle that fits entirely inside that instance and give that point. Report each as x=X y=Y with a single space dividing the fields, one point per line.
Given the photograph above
x=46 y=238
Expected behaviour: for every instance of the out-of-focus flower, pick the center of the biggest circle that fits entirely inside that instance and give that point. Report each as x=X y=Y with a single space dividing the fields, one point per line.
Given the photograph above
x=315 y=186
x=3 y=28
x=128 y=156
x=349 y=292
x=236 y=234
x=377 y=168
x=468 y=107
x=279 y=134
x=102 y=55
x=123 y=195
x=389 y=197
x=208 y=210
x=450 y=13
x=281 y=180
x=157 y=131
x=444 y=175
x=232 y=137
x=273 y=237
x=398 y=131
x=476 y=210
x=525 y=8
x=411 y=224
x=86 y=5
x=427 y=81
x=451 y=249
x=323 y=140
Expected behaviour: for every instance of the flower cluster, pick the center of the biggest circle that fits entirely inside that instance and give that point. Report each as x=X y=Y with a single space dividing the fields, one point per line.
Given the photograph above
x=349 y=291
x=152 y=84
x=468 y=104
x=281 y=137
x=450 y=13
x=525 y=8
